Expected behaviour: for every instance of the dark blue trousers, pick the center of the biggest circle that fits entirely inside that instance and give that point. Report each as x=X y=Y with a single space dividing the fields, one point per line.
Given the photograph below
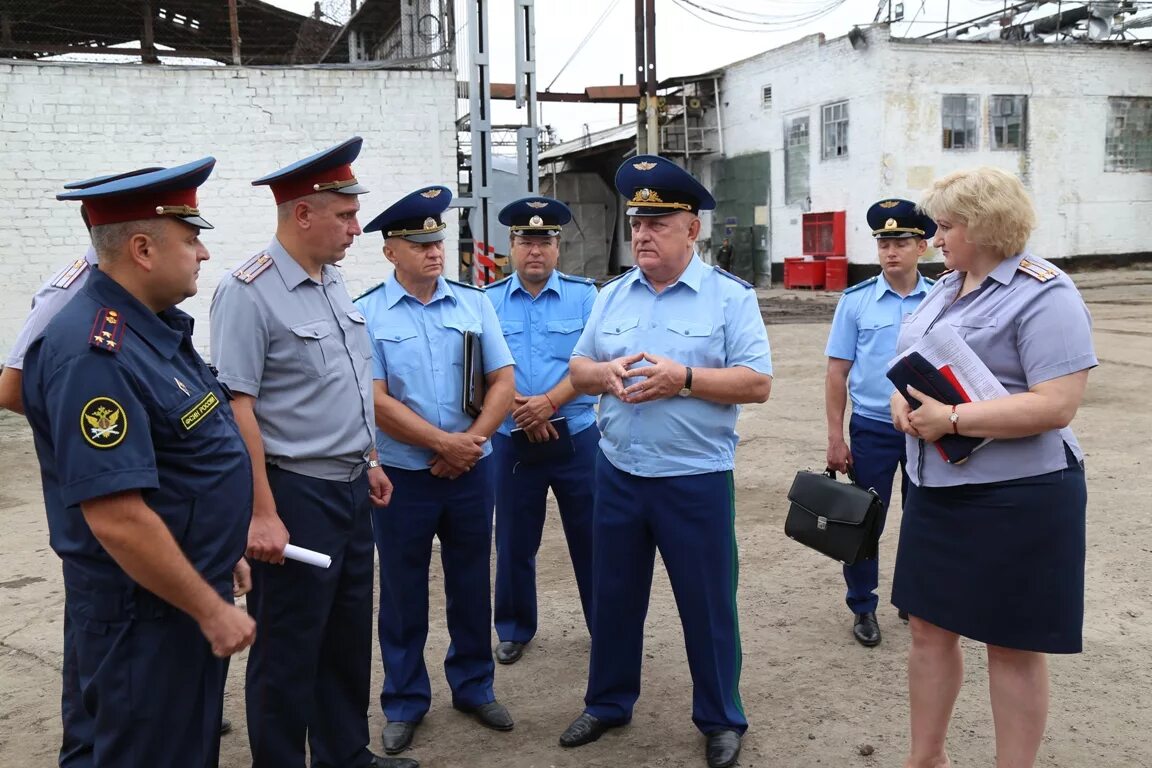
x=309 y=669
x=690 y=519
x=521 y=506
x=149 y=684
x=877 y=455
x=459 y=513
x=77 y=724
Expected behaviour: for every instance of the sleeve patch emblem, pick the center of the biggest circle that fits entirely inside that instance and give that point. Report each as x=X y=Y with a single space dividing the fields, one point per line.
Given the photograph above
x=103 y=422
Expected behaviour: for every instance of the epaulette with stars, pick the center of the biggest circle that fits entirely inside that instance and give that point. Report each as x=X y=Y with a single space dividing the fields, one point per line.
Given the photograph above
x=1040 y=271
x=864 y=284
x=501 y=281
x=577 y=279
x=253 y=268
x=731 y=276
x=464 y=285
x=68 y=275
x=107 y=331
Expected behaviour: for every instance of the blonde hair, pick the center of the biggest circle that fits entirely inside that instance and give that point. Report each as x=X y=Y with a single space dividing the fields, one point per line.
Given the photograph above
x=991 y=202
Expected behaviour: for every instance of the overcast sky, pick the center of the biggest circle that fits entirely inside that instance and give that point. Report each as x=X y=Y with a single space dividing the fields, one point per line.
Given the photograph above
x=685 y=42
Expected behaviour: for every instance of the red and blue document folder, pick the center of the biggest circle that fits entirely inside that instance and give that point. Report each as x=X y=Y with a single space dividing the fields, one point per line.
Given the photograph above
x=941 y=384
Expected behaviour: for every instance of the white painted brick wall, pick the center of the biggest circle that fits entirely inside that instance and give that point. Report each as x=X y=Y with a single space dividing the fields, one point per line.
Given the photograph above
x=894 y=91
x=64 y=122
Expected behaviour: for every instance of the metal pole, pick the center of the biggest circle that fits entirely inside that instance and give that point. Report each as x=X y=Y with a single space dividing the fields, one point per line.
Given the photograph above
x=148 y=38
x=641 y=80
x=480 y=103
x=653 y=118
x=234 y=30
x=528 y=137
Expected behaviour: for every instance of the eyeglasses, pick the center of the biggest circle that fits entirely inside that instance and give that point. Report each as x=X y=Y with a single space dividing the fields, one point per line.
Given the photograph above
x=542 y=242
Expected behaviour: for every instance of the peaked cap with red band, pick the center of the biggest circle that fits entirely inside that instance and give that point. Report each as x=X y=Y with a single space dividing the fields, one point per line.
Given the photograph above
x=327 y=171
x=98 y=180
x=128 y=197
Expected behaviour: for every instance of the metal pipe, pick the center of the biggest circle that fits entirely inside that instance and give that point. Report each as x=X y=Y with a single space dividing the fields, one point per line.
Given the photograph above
x=234 y=31
x=653 y=117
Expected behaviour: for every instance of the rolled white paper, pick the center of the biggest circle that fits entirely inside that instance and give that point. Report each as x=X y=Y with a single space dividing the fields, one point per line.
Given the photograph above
x=311 y=557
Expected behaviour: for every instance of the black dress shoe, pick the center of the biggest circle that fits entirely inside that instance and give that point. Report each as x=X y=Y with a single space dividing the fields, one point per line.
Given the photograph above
x=392 y=762
x=509 y=652
x=492 y=715
x=397 y=737
x=723 y=748
x=866 y=630
x=584 y=730
x=225 y=726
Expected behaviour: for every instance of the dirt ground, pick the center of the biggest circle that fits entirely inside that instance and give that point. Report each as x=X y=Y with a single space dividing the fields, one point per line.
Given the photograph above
x=813 y=696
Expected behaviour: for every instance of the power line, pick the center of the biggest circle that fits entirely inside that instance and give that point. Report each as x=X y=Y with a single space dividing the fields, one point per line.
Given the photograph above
x=595 y=27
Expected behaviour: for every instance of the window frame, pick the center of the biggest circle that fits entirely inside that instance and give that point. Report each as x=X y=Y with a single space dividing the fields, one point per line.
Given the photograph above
x=1127 y=142
x=1020 y=113
x=970 y=116
x=839 y=125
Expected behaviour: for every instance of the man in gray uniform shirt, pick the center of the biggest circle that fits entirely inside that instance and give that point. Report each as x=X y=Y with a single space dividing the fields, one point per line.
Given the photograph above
x=292 y=346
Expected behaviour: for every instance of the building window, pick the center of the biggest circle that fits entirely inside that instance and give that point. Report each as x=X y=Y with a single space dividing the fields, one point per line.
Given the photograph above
x=835 y=126
x=959 y=116
x=1007 y=121
x=796 y=160
x=1128 y=142
x=766 y=97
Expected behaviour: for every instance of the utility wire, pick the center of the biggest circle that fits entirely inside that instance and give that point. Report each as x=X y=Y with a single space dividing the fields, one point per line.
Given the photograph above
x=595 y=28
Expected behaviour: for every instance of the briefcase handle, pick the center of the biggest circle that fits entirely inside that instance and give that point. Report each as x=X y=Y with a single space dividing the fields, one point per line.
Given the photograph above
x=831 y=473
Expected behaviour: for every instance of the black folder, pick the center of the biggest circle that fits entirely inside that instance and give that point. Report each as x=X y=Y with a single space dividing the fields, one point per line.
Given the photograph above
x=915 y=370
x=474 y=384
x=550 y=450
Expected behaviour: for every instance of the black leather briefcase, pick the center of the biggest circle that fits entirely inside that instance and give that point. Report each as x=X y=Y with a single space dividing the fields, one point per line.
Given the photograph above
x=839 y=520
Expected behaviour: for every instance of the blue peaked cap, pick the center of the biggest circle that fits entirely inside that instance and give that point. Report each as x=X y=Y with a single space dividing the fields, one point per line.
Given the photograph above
x=655 y=186
x=539 y=216
x=895 y=217
x=416 y=217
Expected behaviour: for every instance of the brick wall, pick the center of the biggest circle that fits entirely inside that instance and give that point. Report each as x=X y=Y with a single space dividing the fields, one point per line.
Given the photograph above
x=63 y=122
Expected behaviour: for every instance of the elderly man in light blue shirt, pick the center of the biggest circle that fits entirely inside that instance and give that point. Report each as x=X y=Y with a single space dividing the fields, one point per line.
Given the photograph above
x=664 y=474
x=860 y=345
x=436 y=453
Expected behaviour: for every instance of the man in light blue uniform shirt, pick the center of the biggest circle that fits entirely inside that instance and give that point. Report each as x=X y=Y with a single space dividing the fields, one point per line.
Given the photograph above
x=436 y=454
x=860 y=345
x=542 y=312
x=664 y=471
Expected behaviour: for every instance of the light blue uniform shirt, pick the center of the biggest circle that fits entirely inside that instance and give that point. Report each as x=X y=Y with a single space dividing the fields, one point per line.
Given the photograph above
x=1027 y=331
x=864 y=330
x=706 y=319
x=418 y=349
x=541 y=333
x=48 y=301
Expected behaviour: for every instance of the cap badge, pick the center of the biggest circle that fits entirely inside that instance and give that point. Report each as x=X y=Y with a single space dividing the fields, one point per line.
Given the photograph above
x=645 y=194
x=430 y=193
x=644 y=166
x=890 y=224
x=430 y=223
x=537 y=204
x=536 y=221
x=889 y=203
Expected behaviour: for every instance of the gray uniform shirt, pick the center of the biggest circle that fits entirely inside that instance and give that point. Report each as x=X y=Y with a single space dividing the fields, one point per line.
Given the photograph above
x=1028 y=323
x=49 y=300
x=301 y=348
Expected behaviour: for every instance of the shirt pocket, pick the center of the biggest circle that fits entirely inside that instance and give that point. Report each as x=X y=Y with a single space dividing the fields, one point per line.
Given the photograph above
x=691 y=343
x=314 y=347
x=193 y=413
x=400 y=347
x=975 y=326
x=562 y=336
x=357 y=331
x=618 y=336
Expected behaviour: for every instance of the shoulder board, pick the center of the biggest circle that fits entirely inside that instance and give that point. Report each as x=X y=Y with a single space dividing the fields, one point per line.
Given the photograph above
x=107 y=331
x=464 y=285
x=731 y=276
x=253 y=268
x=68 y=275
x=930 y=281
x=367 y=292
x=1041 y=271
x=863 y=284
x=498 y=282
x=576 y=279
x=625 y=273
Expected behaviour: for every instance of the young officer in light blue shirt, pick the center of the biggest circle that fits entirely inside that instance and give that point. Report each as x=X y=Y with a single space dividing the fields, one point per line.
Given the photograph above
x=860 y=345
x=542 y=312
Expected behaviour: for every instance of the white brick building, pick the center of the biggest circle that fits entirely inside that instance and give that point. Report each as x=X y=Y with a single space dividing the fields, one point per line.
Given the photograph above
x=848 y=125
x=63 y=122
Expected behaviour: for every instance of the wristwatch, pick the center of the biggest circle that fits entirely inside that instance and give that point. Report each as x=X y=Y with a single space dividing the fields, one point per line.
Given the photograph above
x=686 y=390
x=955 y=419
x=373 y=464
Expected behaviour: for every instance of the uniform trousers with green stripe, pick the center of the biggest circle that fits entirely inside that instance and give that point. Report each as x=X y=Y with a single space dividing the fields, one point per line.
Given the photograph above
x=690 y=519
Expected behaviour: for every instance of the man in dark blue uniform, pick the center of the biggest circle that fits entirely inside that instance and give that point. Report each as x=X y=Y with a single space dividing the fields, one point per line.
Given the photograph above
x=146 y=479
x=549 y=439
x=860 y=345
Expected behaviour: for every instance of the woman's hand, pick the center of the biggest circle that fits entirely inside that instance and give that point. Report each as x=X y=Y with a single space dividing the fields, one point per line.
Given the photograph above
x=932 y=420
x=900 y=410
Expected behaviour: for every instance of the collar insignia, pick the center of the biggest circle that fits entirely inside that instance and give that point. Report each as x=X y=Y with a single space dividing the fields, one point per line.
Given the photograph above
x=103 y=423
